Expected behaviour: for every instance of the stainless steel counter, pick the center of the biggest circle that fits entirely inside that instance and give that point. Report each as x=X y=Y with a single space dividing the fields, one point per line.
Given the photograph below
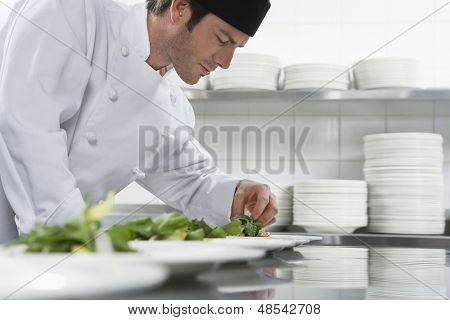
x=320 y=272
x=376 y=266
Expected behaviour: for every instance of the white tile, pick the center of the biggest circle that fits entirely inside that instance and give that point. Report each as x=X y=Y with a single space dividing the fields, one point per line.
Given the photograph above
x=271 y=107
x=441 y=47
x=410 y=107
x=351 y=170
x=271 y=172
x=317 y=43
x=316 y=170
x=365 y=11
x=353 y=130
x=360 y=108
x=322 y=142
x=447 y=186
x=427 y=74
x=320 y=108
x=416 y=43
x=361 y=40
x=442 y=108
x=442 y=126
x=222 y=136
x=410 y=124
x=442 y=77
x=269 y=41
x=282 y=12
x=443 y=15
x=409 y=10
x=269 y=138
x=318 y=11
x=225 y=108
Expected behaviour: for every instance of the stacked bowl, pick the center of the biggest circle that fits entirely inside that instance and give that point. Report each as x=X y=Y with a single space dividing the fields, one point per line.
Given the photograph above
x=406 y=273
x=313 y=76
x=283 y=194
x=382 y=73
x=405 y=179
x=330 y=205
x=248 y=72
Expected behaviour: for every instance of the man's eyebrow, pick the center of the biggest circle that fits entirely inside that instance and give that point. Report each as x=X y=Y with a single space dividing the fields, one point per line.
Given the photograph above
x=233 y=42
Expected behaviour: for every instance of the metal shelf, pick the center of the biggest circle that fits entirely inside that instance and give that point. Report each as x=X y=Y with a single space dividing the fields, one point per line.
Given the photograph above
x=324 y=95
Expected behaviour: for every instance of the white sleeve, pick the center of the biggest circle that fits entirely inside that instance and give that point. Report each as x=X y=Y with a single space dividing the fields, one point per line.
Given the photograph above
x=189 y=181
x=44 y=73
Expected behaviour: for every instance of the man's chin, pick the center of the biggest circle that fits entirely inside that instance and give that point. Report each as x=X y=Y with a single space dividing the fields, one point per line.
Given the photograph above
x=192 y=80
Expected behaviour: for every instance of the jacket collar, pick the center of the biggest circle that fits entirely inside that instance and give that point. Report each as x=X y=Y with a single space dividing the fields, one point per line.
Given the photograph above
x=139 y=37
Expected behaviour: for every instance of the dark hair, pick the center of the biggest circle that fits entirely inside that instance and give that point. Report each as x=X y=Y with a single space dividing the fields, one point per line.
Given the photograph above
x=157 y=7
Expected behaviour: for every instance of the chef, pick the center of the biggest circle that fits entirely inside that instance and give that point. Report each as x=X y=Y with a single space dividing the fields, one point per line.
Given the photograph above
x=83 y=95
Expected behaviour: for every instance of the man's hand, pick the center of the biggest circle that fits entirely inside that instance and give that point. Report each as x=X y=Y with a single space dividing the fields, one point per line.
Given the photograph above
x=256 y=198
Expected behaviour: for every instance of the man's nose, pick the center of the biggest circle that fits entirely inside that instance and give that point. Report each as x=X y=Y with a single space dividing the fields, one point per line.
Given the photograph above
x=224 y=57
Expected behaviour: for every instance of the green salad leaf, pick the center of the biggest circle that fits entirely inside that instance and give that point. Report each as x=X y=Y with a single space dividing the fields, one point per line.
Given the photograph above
x=80 y=234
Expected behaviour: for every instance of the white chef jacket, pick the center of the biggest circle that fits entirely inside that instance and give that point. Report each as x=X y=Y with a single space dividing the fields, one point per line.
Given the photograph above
x=74 y=91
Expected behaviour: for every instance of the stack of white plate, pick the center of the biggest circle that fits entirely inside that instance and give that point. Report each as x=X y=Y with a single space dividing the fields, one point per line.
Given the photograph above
x=406 y=273
x=330 y=205
x=313 y=76
x=330 y=267
x=404 y=174
x=248 y=72
x=284 y=200
x=388 y=73
x=202 y=84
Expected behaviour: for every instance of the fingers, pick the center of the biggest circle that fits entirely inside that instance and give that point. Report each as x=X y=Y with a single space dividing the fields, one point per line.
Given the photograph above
x=239 y=203
x=262 y=201
x=269 y=214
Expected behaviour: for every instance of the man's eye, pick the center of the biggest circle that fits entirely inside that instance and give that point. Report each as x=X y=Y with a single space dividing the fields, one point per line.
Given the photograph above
x=222 y=42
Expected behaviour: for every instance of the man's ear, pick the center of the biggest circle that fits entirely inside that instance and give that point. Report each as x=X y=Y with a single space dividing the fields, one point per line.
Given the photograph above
x=180 y=11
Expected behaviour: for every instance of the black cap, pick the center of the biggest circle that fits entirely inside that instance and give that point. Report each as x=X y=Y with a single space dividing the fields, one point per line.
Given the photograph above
x=244 y=15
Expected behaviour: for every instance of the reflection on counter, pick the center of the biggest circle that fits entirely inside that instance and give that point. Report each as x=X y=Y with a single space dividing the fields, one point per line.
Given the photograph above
x=254 y=284
x=385 y=273
x=319 y=273
x=330 y=267
x=406 y=273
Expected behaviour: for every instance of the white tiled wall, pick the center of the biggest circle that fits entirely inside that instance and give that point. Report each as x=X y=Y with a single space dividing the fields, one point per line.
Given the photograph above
x=345 y=31
x=334 y=148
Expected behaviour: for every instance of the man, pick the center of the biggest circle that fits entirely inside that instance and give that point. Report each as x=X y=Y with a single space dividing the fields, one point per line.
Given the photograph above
x=81 y=88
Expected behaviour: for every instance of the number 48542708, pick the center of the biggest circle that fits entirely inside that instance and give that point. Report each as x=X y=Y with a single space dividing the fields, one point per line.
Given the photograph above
x=299 y=308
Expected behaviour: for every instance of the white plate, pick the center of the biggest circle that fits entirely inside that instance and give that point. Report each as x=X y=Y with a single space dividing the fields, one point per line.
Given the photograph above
x=403 y=136
x=403 y=178
x=378 y=154
x=80 y=276
x=330 y=220
x=257 y=243
x=329 y=211
x=295 y=237
x=329 y=190
x=298 y=239
x=330 y=183
x=403 y=170
x=340 y=205
x=406 y=230
x=330 y=229
x=330 y=197
x=389 y=162
x=191 y=253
